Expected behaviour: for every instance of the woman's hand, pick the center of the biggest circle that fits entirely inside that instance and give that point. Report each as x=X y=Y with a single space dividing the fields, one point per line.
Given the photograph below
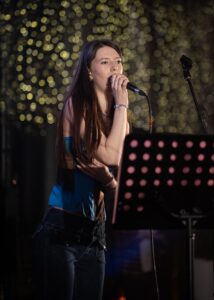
x=119 y=88
x=99 y=172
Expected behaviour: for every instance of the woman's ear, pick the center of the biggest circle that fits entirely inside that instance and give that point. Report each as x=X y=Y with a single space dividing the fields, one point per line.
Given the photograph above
x=90 y=75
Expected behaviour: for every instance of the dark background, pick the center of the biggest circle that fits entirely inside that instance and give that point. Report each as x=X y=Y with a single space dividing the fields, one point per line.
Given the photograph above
x=40 y=42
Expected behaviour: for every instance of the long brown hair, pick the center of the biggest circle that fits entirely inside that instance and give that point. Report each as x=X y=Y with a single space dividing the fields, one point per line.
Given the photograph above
x=85 y=105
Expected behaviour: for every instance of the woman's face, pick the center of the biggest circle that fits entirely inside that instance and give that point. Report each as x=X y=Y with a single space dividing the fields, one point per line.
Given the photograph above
x=106 y=63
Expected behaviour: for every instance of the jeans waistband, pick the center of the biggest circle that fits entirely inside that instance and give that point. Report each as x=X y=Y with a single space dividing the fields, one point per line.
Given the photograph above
x=63 y=219
x=66 y=228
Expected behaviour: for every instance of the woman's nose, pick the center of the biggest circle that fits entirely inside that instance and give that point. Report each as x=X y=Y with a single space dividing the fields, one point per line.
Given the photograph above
x=114 y=66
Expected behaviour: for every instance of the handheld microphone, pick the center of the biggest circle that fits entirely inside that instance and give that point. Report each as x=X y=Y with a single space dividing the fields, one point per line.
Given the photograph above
x=133 y=88
x=130 y=86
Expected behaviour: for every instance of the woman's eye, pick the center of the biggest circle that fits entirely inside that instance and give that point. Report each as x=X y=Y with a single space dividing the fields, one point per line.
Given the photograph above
x=104 y=62
x=119 y=61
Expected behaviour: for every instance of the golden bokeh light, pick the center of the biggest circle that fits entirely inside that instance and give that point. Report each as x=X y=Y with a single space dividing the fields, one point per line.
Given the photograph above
x=40 y=43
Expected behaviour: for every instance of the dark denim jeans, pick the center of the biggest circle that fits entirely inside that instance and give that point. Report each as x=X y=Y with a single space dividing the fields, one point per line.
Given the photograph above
x=64 y=270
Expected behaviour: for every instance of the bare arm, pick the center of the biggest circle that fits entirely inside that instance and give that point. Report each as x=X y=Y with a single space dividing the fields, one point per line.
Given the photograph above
x=110 y=148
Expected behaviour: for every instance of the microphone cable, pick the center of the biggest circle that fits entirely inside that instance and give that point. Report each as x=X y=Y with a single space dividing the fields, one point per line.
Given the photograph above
x=154 y=264
x=151 y=120
x=136 y=90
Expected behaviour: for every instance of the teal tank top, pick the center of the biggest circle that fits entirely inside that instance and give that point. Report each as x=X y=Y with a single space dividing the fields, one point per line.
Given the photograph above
x=81 y=196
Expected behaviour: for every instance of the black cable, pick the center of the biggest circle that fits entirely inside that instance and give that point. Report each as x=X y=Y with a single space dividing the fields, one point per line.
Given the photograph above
x=143 y=94
x=136 y=90
x=154 y=264
x=151 y=231
x=151 y=119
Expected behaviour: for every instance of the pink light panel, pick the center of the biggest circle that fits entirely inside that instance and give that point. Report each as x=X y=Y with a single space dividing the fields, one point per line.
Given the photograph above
x=163 y=176
x=160 y=163
x=132 y=156
x=134 y=143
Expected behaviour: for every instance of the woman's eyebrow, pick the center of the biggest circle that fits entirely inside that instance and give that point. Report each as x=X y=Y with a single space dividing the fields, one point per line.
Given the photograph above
x=118 y=57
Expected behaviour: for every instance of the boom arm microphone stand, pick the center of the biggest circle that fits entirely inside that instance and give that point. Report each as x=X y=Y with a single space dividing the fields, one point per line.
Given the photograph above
x=189 y=219
x=186 y=63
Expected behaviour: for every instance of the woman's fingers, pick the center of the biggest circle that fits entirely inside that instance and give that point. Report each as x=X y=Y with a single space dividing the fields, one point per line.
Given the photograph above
x=119 y=81
x=93 y=165
x=96 y=170
x=119 y=88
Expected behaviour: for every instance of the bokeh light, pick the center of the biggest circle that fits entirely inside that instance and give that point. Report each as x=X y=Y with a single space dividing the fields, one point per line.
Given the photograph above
x=41 y=40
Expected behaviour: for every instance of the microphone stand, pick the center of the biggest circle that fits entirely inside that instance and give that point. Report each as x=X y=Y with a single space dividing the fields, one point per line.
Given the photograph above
x=187 y=64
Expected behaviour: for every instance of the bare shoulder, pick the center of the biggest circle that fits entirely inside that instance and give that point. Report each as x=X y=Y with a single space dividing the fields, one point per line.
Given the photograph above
x=69 y=119
x=68 y=109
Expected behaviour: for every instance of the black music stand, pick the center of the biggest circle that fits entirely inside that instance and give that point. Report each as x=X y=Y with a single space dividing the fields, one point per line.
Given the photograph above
x=166 y=181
